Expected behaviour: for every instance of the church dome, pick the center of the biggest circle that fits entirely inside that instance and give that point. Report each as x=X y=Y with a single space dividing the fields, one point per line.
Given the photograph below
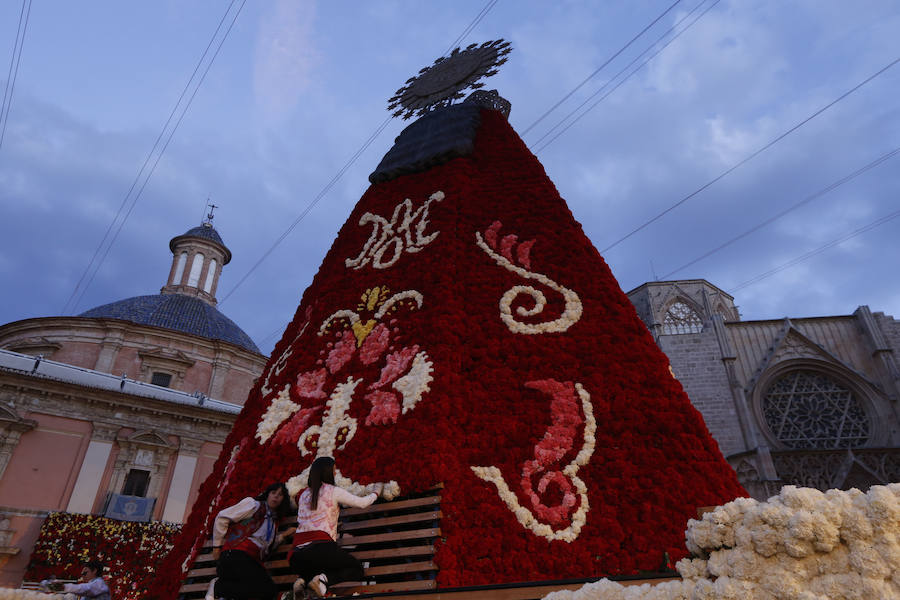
x=183 y=313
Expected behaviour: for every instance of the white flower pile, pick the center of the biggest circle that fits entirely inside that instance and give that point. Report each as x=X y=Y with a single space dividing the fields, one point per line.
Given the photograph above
x=802 y=544
x=18 y=594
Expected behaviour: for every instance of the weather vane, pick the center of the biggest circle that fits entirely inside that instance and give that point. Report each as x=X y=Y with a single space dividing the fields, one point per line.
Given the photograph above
x=445 y=80
x=209 y=217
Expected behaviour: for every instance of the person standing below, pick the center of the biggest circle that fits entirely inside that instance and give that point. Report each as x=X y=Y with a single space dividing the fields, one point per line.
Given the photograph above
x=315 y=556
x=93 y=587
x=243 y=535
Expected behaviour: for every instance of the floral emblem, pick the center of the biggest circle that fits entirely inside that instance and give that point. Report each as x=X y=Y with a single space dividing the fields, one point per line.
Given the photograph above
x=562 y=520
x=405 y=232
x=356 y=337
x=490 y=245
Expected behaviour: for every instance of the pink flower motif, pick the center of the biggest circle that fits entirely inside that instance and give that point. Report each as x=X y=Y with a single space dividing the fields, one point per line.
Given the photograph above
x=375 y=344
x=385 y=408
x=507 y=243
x=397 y=363
x=309 y=384
x=342 y=352
x=557 y=440
x=490 y=234
x=289 y=433
x=523 y=253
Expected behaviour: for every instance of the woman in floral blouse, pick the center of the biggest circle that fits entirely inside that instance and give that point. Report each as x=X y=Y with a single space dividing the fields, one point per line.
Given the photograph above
x=315 y=555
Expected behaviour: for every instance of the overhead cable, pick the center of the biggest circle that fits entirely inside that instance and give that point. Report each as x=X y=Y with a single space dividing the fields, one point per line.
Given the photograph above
x=751 y=156
x=458 y=41
x=600 y=68
x=75 y=297
x=328 y=186
x=309 y=206
x=830 y=187
x=14 y=60
x=819 y=250
x=623 y=80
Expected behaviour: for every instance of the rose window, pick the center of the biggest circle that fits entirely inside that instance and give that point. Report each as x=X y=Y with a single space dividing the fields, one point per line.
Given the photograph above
x=805 y=409
x=681 y=318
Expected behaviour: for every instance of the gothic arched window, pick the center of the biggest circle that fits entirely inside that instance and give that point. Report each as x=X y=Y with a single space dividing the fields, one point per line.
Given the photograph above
x=681 y=318
x=807 y=409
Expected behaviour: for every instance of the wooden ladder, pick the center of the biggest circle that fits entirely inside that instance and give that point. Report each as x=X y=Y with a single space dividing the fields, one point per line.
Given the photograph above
x=394 y=541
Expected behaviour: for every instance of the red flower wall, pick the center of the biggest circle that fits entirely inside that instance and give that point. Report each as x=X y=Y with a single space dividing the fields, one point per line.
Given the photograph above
x=498 y=397
x=129 y=551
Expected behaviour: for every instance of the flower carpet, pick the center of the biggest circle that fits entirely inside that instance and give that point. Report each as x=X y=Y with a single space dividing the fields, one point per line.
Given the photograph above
x=463 y=330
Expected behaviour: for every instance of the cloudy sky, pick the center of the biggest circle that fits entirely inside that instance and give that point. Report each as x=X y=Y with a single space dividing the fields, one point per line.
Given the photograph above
x=298 y=87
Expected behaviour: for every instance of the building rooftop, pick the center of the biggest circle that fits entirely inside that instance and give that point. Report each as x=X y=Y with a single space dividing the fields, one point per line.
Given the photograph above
x=187 y=314
x=48 y=369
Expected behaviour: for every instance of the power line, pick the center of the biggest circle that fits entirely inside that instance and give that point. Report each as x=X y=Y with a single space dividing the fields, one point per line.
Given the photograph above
x=150 y=156
x=830 y=187
x=163 y=149
x=14 y=70
x=598 y=69
x=490 y=4
x=818 y=250
x=484 y=11
x=751 y=156
x=309 y=207
x=626 y=78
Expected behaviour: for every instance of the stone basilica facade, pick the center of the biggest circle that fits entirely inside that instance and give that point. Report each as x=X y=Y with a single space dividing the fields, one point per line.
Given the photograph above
x=794 y=401
x=122 y=409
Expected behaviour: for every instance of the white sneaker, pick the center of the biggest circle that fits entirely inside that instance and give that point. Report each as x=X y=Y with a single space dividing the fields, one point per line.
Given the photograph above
x=211 y=591
x=319 y=585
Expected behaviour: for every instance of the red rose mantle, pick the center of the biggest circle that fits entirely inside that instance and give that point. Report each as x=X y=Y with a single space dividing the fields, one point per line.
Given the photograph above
x=463 y=330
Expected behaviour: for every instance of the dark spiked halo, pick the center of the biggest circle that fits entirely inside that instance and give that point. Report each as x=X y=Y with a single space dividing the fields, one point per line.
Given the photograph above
x=444 y=81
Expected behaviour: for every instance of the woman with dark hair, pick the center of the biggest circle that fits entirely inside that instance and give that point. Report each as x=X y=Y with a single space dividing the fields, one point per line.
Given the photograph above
x=315 y=556
x=243 y=535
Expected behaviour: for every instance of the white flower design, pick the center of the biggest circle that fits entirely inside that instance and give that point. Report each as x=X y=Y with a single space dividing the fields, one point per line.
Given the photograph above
x=405 y=232
x=296 y=415
x=568 y=477
x=573 y=309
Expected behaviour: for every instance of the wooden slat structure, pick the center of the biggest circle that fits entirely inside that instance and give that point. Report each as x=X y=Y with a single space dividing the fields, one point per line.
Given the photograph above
x=527 y=590
x=394 y=541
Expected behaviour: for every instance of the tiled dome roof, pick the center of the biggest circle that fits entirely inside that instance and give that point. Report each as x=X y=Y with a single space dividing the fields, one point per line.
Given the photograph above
x=204 y=232
x=176 y=311
x=207 y=232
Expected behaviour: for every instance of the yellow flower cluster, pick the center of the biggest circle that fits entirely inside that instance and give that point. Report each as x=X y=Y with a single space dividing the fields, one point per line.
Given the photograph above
x=129 y=550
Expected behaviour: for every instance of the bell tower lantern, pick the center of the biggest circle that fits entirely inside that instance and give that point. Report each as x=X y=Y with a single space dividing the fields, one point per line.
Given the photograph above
x=198 y=257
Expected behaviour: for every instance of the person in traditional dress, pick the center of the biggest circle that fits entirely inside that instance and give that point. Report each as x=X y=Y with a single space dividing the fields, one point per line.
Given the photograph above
x=315 y=555
x=243 y=535
x=92 y=585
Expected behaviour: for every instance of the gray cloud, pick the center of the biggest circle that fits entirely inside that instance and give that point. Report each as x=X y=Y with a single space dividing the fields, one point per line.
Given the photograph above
x=323 y=74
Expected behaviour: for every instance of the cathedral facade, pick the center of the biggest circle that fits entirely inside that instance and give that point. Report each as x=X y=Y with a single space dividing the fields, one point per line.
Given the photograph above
x=793 y=401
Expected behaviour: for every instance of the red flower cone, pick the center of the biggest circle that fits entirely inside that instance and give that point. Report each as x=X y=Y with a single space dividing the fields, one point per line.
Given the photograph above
x=463 y=331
